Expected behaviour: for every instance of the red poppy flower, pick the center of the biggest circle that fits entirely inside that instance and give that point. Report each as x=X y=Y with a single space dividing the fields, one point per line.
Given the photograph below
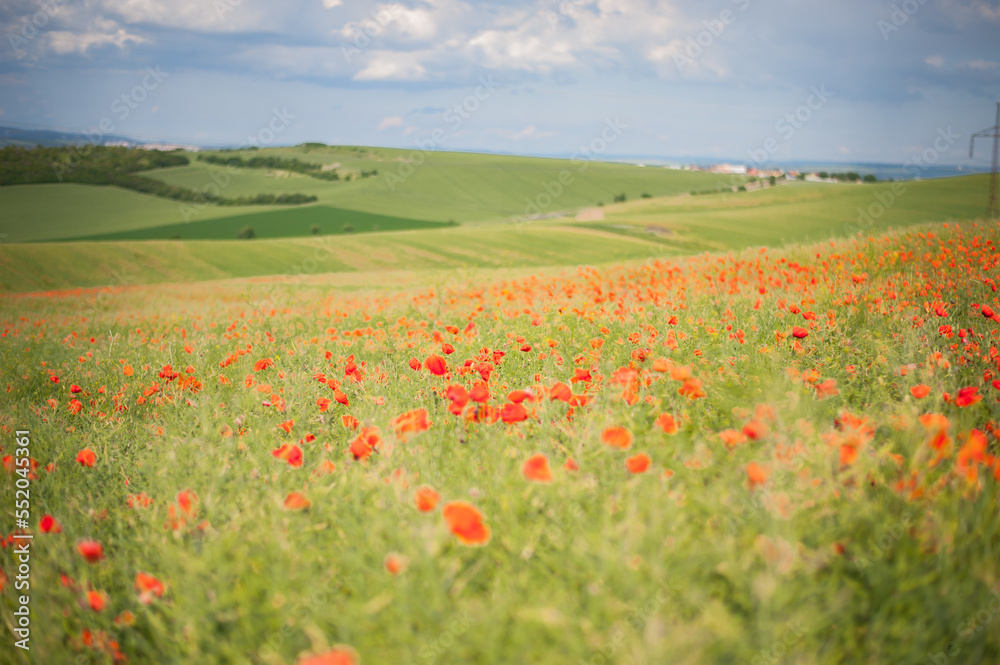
x=326 y=467
x=340 y=396
x=395 y=564
x=323 y=403
x=365 y=443
x=560 y=391
x=967 y=396
x=536 y=469
x=827 y=389
x=466 y=522
x=289 y=452
x=480 y=393
x=75 y=389
x=149 y=588
x=666 y=422
x=49 y=524
x=296 y=501
x=426 y=498
x=91 y=550
x=513 y=413
x=187 y=501
x=458 y=396
x=436 y=365
x=692 y=389
x=756 y=474
x=336 y=656
x=638 y=463
x=412 y=421
x=263 y=364
x=97 y=600
x=617 y=437
x=86 y=457
x=518 y=396
x=921 y=391
x=799 y=332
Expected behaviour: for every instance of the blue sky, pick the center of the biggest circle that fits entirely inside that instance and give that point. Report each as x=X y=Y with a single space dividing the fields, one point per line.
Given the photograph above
x=851 y=81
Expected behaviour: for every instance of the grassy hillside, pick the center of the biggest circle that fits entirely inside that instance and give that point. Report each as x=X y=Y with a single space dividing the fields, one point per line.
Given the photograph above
x=297 y=222
x=466 y=187
x=640 y=229
x=50 y=212
x=796 y=212
x=782 y=457
x=54 y=265
x=448 y=186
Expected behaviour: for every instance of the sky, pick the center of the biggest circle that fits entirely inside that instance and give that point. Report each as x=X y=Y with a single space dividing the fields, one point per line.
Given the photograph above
x=753 y=81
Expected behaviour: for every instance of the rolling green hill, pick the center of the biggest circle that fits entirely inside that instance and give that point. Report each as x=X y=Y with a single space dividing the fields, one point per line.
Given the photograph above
x=464 y=187
x=635 y=230
x=57 y=265
x=794 y=212
x=404 y=227
x=296 y=222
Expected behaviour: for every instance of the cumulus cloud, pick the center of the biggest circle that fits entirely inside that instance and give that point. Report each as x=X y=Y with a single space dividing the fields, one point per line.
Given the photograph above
x=389 y=66
x=64 y=42
x=394 y=121
x=784 y=45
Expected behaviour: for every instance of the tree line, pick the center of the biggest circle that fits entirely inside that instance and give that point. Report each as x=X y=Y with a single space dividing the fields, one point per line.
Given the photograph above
x=118 y=166
x=270 y=162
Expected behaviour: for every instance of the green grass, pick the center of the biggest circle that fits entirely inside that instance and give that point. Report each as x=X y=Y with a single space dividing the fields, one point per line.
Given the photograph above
x=59 y=265
x=794 y=212
x=463 y=187
x=682 y=224
x=33 y=213
x=294 y=222
x=822 y=562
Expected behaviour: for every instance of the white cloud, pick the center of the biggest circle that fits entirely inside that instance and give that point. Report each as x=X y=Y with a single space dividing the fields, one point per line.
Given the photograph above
x=934 y=60
x=413 y=23
x=392 y=66
x=64 y=42
x=195 y=15
x=394 y=121
x=981 y=64
x=330 y=4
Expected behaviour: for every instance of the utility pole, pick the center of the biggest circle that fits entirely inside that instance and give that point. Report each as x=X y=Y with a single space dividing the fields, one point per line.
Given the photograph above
x=993 y=133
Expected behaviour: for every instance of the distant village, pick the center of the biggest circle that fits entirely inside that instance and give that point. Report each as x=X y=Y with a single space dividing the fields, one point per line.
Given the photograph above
x=754 y=173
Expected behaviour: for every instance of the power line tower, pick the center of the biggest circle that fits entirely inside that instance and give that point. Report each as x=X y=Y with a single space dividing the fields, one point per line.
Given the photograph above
x=993 y=133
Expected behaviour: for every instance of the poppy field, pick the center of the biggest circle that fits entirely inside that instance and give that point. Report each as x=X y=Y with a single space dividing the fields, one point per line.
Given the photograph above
x=763 y=456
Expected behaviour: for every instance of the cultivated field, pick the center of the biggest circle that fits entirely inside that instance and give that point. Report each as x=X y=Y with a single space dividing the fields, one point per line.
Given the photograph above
x=771 y=456
x=723 y=428
x=447 y=186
